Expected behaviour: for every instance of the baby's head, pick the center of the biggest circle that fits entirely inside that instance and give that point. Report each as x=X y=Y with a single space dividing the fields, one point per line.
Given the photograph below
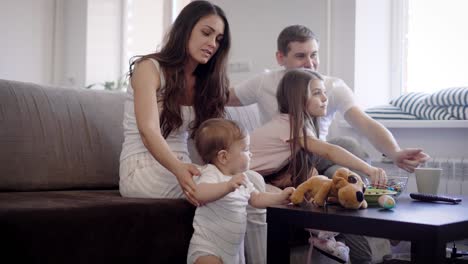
x=224 y=144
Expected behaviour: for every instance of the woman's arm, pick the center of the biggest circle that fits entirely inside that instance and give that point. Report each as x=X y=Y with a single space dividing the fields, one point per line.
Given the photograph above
x=344 y=158
x=233 y=99
x=265 y=199
x=145 y=83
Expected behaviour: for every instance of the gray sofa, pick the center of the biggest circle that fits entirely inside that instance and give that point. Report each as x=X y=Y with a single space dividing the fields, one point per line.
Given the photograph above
x=59 y=198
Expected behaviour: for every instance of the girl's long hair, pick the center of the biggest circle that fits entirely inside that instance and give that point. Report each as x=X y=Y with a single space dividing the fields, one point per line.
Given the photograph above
x=212 y=85
x=292 y=94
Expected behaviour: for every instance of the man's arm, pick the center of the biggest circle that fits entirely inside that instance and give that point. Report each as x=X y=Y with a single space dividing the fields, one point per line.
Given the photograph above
x=383 y=140
x=246 y=92
x=233 y=99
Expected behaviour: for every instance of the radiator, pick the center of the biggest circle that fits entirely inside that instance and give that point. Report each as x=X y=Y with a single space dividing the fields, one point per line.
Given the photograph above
x=453 y=181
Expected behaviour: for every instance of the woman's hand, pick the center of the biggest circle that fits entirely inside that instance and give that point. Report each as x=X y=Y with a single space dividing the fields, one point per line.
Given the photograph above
x=184 y=176
x=378 y=177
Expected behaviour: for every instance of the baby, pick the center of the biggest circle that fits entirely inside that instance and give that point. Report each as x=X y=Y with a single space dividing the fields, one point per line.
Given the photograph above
x=220 y=224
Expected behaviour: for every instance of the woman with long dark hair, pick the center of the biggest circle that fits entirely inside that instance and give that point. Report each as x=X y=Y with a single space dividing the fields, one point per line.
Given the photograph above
x=172 y=92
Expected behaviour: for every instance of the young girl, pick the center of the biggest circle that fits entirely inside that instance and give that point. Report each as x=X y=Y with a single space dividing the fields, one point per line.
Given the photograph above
x=220 y=225
x=287 y=149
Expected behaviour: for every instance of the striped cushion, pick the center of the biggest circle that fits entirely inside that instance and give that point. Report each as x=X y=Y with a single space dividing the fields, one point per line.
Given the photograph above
x=385 y=112
x=459 y=111
x=413 y=103
x=449 y=96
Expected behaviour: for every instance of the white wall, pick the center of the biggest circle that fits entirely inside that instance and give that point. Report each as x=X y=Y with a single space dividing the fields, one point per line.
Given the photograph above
x=103 y=41
x=26 y=40
x=342 y=40
x=60 y=42
x=73 y=44
x=373 y=52
x=255 y=26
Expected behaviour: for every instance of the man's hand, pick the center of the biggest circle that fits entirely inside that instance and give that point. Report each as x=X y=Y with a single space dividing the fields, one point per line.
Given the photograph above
x=409 y=159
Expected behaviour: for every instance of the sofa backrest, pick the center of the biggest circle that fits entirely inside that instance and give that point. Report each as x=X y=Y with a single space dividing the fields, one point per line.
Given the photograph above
x=58 y=138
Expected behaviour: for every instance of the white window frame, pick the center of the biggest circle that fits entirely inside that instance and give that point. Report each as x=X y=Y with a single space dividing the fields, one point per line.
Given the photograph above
x=170 y=12
x=399 y=42
x=399 y=47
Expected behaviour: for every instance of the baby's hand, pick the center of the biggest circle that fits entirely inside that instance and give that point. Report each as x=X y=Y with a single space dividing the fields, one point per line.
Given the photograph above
x=236 y=181
x=286 y=193
x=378 y=177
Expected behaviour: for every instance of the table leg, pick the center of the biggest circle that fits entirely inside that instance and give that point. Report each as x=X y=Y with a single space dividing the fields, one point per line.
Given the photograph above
x=277 y=243
x=428 y=252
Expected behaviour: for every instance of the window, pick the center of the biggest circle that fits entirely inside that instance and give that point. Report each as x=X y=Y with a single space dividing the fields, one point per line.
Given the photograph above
x=435 y=52
x=144 y=24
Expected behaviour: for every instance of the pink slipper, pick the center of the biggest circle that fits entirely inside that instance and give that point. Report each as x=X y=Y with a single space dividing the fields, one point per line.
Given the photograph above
x=331 y=248
x=321 y=233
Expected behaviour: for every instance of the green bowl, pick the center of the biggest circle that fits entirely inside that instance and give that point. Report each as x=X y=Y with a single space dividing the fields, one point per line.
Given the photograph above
x=372 y=195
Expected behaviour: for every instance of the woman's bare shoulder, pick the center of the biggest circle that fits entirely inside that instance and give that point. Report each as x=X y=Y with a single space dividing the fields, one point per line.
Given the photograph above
x=145 y=72
x=146 y=65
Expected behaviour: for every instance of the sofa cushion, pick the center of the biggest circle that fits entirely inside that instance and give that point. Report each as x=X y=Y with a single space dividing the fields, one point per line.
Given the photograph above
x=93 y=227
x=56 y=138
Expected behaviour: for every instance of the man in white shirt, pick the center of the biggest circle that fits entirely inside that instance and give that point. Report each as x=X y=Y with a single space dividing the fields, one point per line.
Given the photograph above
x=298 y=47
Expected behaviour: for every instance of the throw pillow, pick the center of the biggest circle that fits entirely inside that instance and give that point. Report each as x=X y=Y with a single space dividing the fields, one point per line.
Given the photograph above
x=389 y=112
x=459 y=111
x=247 y=116
x=449 y=96
x=413 y=103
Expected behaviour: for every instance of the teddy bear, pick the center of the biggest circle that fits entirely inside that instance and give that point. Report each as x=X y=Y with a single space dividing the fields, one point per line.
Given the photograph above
x=345 y=186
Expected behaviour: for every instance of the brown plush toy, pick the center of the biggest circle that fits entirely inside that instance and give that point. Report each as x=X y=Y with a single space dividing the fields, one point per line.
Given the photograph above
x=346 y=186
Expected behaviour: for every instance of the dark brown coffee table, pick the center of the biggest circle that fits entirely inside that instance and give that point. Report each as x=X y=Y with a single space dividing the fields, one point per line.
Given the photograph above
x=429 y=226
